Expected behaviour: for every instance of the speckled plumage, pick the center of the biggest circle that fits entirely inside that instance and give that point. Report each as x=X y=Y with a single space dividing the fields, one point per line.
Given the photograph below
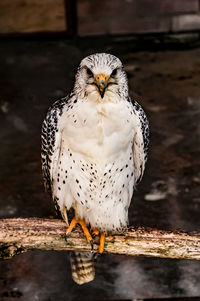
x=94 y=149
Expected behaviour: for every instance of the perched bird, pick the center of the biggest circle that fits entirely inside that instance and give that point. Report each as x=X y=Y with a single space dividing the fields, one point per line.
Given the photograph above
x=94 y=149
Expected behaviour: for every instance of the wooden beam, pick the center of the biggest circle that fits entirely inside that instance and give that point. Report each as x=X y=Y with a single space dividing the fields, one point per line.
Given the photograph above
x=18 y=235
x=31 y=16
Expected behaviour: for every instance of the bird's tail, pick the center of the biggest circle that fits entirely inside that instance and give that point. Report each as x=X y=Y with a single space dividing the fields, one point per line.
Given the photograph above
x=82 y=266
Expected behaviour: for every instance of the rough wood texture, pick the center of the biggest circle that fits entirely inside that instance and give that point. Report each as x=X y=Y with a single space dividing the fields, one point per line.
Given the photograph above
x=29 y=16
x=19 y=235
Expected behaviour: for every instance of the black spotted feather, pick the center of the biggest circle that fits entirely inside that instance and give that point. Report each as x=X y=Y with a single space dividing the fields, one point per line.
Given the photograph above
x=50 y=137
x=141 y=142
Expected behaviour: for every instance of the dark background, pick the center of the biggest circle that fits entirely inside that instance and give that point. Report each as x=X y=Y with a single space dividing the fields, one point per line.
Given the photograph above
x=41 y=46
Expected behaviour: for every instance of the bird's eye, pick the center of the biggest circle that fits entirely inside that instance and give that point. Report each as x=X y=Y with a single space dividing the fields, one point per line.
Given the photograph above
x=114 y=72
x=89 y=72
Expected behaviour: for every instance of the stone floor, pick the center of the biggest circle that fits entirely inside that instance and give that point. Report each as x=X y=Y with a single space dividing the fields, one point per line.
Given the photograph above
x=35 y=73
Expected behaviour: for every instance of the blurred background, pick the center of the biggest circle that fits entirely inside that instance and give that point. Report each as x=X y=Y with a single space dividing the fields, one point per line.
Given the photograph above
x=41 y=45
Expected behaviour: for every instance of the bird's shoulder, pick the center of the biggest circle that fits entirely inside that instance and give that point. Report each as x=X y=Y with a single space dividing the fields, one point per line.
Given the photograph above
x=139 y=112
x=50 y=136
x=59 y=105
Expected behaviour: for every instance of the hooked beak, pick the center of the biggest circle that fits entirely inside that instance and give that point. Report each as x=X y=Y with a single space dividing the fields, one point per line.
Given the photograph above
x=101 y=82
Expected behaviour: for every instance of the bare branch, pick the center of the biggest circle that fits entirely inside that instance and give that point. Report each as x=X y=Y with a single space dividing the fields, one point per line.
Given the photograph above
x=18 y=235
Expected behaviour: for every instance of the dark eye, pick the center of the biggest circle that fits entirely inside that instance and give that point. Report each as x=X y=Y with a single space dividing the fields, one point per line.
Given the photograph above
x=89 y=72
x=114 y=72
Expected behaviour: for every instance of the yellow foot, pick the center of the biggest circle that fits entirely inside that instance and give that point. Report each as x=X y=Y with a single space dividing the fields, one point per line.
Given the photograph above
x=84 y=228
x=95 y=232
x=102 y=242
x=102 y=239
x=71 y=226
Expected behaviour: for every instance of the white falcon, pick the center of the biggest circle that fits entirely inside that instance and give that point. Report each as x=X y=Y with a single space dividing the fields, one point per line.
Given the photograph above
x=94 y=149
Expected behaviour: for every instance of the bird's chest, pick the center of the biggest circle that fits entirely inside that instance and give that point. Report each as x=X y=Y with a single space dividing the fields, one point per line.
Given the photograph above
x=98 y=130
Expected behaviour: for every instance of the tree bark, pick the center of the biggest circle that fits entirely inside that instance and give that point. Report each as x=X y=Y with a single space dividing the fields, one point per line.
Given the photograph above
x=18 y=235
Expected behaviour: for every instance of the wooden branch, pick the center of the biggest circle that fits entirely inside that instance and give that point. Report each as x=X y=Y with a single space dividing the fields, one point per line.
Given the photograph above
x=18 y=235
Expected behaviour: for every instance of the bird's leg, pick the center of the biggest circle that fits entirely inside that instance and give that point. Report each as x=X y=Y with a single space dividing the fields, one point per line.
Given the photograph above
x=86 y=232
x=102 y=241
x=84 y=228
x=71 y=226
x=96 y=232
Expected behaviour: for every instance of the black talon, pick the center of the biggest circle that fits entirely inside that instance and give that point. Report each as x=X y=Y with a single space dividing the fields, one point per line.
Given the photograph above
x=92 y=245
x=66 y=235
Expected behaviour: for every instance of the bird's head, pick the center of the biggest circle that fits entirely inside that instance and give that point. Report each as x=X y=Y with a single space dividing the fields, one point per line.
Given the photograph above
x=100 y=77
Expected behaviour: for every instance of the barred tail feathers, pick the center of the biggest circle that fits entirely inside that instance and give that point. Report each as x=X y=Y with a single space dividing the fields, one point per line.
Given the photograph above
x=82 y=266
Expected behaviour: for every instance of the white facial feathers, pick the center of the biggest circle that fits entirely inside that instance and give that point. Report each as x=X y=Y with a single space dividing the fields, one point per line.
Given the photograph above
x=110 y=69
